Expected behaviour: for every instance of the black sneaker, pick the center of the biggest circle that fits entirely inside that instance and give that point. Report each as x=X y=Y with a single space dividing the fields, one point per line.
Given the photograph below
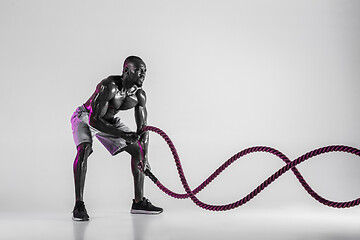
x=79 y=212
x=144 y=207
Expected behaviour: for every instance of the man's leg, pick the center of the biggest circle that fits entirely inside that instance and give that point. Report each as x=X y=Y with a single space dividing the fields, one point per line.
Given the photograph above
x=140 y=204
x=135 y=152
x=80 y=166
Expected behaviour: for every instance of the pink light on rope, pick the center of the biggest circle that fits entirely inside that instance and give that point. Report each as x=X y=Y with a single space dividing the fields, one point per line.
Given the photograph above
x=289 y=165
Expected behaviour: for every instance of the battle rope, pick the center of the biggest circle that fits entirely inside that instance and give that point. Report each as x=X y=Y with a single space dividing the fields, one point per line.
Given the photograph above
x=289 y=165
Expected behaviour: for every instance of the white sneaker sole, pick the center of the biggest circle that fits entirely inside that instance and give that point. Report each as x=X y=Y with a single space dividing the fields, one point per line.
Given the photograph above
x=133 y=211
x=80 y=219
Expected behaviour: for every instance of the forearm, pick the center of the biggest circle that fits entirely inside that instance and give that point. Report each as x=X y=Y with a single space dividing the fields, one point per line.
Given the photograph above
x=144 y=141
x=105 y=127
x=141 y=122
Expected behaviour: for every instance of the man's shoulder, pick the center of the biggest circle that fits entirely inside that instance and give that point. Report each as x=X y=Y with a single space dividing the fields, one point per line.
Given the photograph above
x=114 y=78
x=141 y=96
x=110 y=82
x=141 y=93
x=108 y=86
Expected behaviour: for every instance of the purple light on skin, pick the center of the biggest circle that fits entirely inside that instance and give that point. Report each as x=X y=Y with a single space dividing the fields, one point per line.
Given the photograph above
x=75 y=164
x=141 y=150
x=141 y=164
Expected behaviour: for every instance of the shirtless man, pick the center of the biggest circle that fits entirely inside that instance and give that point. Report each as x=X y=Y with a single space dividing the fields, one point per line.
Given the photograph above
x=97 y=118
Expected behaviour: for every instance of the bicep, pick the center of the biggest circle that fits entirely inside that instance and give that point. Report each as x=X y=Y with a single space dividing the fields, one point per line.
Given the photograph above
x=140 y=115
x=140 y=108
x=141 y=96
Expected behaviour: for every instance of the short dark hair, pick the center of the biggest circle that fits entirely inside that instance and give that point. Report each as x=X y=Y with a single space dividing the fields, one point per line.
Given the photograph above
x=131 y=59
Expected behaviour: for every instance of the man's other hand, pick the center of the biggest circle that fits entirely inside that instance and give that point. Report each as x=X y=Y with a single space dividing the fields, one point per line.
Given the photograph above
x=131 y=137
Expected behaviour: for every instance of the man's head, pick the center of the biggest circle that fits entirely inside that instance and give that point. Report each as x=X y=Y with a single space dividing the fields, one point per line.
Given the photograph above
x=134 y=70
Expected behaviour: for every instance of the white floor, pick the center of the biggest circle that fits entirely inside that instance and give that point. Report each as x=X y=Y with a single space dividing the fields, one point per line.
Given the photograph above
x=236 y=224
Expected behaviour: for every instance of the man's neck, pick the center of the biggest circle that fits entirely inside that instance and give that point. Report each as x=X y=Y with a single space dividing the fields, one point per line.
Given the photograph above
x=125 y=83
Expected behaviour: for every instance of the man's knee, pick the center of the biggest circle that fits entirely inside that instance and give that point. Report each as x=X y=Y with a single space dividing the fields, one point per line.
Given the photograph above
x=134 y=150
x=84 y=150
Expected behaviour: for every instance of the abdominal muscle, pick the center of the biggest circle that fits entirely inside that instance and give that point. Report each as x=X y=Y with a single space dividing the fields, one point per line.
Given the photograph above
x=119 y=104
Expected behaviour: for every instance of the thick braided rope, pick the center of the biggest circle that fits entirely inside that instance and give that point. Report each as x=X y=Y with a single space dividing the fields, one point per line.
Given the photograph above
x=289 y=165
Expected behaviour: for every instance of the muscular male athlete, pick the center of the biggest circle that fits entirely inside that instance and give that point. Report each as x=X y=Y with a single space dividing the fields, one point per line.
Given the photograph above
x=97 y=118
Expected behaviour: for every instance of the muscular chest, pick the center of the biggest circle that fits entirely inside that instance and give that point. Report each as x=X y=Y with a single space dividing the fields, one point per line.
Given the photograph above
x=123 y=101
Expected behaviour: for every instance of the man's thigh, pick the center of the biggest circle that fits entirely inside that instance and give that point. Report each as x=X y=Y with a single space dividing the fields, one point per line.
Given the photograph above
x=80 y=127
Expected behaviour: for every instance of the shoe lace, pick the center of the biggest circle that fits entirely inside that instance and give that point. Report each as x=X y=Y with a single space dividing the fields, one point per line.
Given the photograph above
x=80 y=206
x=148 y=203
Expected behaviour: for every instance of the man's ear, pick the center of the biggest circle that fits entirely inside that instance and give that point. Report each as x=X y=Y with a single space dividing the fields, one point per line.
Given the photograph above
x=126 y=70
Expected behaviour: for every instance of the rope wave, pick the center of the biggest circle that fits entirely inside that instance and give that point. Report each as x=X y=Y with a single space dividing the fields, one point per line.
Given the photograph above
x=289 y=165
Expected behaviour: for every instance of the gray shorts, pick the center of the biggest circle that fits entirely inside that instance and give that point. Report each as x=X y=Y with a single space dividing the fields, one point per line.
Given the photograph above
x=83 y=132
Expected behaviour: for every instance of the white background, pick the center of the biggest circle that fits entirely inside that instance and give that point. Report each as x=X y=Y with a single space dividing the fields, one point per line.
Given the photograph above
x=222 y=76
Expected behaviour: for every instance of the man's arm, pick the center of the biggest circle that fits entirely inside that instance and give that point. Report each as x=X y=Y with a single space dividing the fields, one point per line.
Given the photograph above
x=141 y=121
x=99 y=107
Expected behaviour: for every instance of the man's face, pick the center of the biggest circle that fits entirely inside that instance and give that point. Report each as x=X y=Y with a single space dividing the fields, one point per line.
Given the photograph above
x=137 y=73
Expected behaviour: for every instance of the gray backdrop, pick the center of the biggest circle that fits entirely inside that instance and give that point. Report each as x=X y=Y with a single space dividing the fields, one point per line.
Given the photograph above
x=222 y=76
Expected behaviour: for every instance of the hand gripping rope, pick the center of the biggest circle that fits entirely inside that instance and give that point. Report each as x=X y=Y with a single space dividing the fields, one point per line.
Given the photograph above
x=289 y=165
